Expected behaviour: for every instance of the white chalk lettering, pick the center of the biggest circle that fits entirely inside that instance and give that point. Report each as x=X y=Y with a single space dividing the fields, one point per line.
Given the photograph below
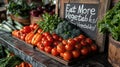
x=81 y=15
x=83 y=10
x=93 y=11
x=87 y=26
x=92 y=20
x=70 y=9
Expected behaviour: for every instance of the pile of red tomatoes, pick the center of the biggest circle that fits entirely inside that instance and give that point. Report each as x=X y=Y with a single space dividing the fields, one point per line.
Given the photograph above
x=55 y=45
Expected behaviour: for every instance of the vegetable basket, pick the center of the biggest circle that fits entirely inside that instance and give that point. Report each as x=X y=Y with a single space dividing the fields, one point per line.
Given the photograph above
x=113 y=52
x=20 y=19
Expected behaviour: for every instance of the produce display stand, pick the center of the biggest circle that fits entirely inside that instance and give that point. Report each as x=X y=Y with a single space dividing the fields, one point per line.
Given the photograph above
x=37 y=59
x=40 y=58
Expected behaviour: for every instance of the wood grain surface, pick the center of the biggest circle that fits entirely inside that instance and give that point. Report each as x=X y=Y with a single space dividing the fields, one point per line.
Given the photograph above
x=114 y=52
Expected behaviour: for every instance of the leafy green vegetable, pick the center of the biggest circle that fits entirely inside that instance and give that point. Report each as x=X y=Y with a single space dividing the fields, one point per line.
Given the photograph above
x=67 y=30
x=111 y=22
x=19 y=8
x=49 y=23
x=11 y=61
x=2 y=53
x=8 y=60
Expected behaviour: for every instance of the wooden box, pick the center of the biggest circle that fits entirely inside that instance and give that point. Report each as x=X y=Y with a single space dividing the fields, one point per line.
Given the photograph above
x=35 y=19
x=21 y=20
x=113 y=52
x=61 y=60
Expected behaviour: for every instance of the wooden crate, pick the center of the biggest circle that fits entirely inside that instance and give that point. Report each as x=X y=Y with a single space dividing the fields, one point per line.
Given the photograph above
x=21 y=20
x=35 y=19
x=61 y=60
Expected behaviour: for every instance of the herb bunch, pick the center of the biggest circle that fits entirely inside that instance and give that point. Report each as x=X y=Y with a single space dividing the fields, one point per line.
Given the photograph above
x=111 y=22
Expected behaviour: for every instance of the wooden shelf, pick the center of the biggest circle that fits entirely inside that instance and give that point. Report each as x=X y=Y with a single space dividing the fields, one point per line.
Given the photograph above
x=38 y=59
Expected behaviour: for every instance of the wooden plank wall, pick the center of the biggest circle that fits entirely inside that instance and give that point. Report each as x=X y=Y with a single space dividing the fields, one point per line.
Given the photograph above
x=101 y=38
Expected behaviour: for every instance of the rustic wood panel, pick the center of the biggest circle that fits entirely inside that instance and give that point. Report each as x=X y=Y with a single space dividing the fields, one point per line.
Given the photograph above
x=101 y=38
x=103 y=7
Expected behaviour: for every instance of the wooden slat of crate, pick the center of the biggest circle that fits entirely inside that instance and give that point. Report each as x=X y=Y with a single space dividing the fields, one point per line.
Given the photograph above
x=60 y=59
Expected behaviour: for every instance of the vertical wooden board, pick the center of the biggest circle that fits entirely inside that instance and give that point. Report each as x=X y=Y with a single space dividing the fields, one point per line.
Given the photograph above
x=102 y=8
x=57 y=7
x=62 y=7
x=101 y=38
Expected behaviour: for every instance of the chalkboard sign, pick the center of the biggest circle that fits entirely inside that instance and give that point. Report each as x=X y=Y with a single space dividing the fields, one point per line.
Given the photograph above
x=84 y=16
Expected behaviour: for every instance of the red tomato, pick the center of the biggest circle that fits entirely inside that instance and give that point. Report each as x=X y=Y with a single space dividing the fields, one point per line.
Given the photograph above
x=78 y=46
x=22 y=37
x=40 y=46
x=88 y=40
x=81 y=37
x=84 y=51
x=17 y=34
x=71 y=41
x=26 y=29
x=83 y=43
x=39 y=30
x=56 y=43
x=93 y=47
x=22 y=31
x=48 y=49
x=35 y=27
x=69 y=47
x=46 y=43
x=55 y=36
x=76 y=53
x=60 y=39
x=67 y=56
x=61 y=54
x=54 y=52
x=44 y=38
x=49 y=38
x=46 y=34
x=32 y=25
x=76 y=39
x=64 y=42
x=60 y=48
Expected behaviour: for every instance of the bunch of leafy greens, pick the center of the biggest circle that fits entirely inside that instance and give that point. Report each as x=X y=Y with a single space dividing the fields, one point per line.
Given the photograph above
x=111 y=22
x=6 y=60
x=49 y=23
x=67 y=30
x=19 y=8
